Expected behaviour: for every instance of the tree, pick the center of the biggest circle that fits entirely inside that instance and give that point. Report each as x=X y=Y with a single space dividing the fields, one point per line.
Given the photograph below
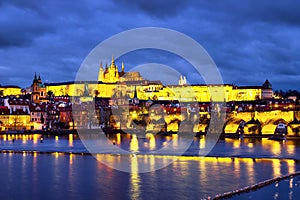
x=96 y=92
x=50 y=93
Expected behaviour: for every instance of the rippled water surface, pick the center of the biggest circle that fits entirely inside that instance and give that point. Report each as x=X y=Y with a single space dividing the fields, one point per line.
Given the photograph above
x=52 y=167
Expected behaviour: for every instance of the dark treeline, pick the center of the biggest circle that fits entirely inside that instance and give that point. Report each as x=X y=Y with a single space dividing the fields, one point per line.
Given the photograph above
x=287 y=93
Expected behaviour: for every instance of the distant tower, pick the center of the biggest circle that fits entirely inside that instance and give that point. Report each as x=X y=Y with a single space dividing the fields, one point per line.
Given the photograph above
x=266 y=90
x=182 y=80
x=123 y=68
x=38 y=90
x=101 y=73
x=135 y=100
x=86 y=90
x=111 y=73
x=39 y=79
x=113 y=61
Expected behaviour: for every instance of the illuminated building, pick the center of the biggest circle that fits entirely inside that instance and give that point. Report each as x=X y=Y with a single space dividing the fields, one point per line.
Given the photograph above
x=9 y=90
x=267 y=92
x=15 y=115
x=112 y=83
x=38 y=90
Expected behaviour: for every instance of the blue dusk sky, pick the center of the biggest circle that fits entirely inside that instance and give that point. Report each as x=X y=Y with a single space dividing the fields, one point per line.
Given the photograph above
x=249 y=40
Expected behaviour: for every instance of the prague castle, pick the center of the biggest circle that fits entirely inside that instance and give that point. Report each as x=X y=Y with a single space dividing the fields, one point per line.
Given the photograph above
x=112 y=82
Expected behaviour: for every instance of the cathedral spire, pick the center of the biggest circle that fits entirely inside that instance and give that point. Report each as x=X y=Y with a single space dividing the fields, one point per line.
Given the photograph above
x=135 y=92
x=35 y=78
x=123 y=67
x=112 y=60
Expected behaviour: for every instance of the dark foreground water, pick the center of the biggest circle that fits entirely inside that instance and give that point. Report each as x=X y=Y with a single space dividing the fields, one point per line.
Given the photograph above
x=31 y=168
x=285 y=189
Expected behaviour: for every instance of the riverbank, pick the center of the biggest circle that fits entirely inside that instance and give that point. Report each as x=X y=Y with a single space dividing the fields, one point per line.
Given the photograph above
x=137 y=132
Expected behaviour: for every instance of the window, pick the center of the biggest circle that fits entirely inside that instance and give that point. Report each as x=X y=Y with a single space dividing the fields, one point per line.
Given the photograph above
x=42 y=94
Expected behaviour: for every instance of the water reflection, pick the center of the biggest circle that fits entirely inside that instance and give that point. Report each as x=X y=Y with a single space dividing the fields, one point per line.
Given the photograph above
x=152 y=142
x=202 y=143
x=276 y=167
x=134 y=144
x=118 y=136
x=134 y=178
x=70 y=140
x=196 y=176
x=291 y=166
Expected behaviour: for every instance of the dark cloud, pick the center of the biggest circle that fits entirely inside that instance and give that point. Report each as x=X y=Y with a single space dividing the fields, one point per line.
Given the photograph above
x=249 y=41
x=20 y=26
x=154 y=8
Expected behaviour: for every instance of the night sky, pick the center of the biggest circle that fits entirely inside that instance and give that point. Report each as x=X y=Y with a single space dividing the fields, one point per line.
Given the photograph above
x=249 y=40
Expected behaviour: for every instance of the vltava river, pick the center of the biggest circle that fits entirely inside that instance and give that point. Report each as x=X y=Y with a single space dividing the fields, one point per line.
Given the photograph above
x=60 y=168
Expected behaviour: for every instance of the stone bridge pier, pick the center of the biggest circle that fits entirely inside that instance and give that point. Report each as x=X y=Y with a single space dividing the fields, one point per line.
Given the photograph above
x=262 y=122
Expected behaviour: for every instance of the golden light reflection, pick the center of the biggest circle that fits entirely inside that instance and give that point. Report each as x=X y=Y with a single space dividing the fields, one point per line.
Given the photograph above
x=276 y=167
x=152 y=142
x=291 y=166
x=250 y=170
x=4 y=137
x=56 y=154
x=275 y=146
x=70 y=140
x=291 y=149
x=202 y=143
x=236 y=144
x=56 y=138
x=71 y=159
x=118 y=138
x=152 y=162
x=202 y=169
x=134 y=144
x=24 y=139
x=237 y=167
x=35 y=139
x=175 y=140
x=34 y=163
x=250 y=145
x=134 y=178
x=291 y=183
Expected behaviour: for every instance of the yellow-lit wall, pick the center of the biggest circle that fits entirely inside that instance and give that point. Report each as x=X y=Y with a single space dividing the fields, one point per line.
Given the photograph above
x=201 y=93
x=10 y=91
x=16 y=122
x=247 y=94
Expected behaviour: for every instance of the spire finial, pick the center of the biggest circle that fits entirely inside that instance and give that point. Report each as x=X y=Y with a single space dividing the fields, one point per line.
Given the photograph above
x=123 y=67
x=112 y=60
x=135 y=92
